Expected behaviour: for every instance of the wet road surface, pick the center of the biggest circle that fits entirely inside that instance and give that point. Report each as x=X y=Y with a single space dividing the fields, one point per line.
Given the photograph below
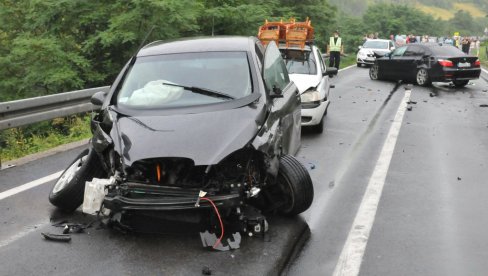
x=430 y=219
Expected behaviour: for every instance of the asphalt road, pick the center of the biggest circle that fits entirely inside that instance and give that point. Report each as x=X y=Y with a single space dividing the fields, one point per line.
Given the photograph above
x=430 y=219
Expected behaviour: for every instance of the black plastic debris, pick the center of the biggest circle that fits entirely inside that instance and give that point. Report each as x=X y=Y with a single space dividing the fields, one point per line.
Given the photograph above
x=459 y=178
x=411 y=102
x=56 y=237
x=312 y=165
x=431 y=94
x=483 y=105
x=206 y=270
x=409 y=108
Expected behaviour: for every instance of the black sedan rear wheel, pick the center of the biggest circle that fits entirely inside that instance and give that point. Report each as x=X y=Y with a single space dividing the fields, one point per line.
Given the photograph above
x=422 y=77
x=67 y=194
x=374 y=72
x=460 y=83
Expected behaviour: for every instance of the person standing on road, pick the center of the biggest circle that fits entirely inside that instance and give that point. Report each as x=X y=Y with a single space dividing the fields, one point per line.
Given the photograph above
x=335 y=50
x=465 y=45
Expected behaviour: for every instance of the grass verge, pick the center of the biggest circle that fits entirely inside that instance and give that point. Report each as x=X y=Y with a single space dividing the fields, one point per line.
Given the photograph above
x=19 y=142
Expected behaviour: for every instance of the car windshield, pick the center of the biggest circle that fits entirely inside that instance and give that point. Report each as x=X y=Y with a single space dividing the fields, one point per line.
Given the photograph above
x=446 y=51
x=186 y=79
x=375 y=44
x=299 y=62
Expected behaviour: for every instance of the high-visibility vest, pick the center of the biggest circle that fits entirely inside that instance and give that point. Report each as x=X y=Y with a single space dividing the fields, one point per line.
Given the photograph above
x=335 y=46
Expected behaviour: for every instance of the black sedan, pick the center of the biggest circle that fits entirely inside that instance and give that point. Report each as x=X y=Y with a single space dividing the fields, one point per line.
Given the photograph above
x=191 y=127
x=427 y=63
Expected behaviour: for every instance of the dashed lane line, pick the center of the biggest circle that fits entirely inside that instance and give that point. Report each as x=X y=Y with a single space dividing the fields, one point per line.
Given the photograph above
x=352 y=254
x=30 y=185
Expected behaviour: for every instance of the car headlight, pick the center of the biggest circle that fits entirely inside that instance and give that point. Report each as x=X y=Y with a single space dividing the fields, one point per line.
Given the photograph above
x=310 y=96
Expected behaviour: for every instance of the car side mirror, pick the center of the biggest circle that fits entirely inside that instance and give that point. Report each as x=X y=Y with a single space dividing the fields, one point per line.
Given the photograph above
x=276 y=92
x=98 y=98
x=331 y=71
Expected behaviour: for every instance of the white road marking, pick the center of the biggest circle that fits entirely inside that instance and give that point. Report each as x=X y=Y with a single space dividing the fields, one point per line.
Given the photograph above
x=484 y=70
x=345 y=68
x=21 y=234
x=29 y=185
x=352 y=254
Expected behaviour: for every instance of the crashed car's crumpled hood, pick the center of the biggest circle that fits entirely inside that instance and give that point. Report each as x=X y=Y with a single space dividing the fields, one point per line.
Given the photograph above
x=304 y=82
x=206 y=138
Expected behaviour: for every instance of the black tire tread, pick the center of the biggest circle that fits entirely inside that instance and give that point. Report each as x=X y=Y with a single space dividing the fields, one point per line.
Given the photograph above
x=72 y=195
x=297 y=175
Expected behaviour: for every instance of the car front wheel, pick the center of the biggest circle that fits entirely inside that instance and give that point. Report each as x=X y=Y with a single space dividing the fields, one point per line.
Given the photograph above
x=374 y=72
x=460 y=83
x=67 y=194
x=422 y=77
x=295 y=185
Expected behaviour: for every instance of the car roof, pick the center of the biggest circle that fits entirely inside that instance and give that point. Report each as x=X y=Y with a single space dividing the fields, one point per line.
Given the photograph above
x=282 y=46
x=198 y=44
x=385 y=40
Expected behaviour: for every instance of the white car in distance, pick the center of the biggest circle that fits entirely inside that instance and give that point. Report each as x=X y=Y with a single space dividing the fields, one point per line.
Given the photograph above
x=366 y=53
x=308 y=71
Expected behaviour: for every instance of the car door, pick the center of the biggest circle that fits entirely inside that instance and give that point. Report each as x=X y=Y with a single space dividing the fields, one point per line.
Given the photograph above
x=324 y=85
x=285 y=106
x=392 y=67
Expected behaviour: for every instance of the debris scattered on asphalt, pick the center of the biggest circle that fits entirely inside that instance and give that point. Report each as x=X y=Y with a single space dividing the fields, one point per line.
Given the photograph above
x=425 y=101
x=206 y=270
x=209 y=239
x=431 y=94
x=332 y=184
x=411 y=102
x=459 y=178
x=409 y=108
x=485 y=90
x=312 y=165
x=483 y=105
x=56 y=237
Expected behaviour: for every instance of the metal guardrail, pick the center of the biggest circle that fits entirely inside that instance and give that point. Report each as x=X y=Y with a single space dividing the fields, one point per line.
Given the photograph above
x=28 y=111
x=33 y=110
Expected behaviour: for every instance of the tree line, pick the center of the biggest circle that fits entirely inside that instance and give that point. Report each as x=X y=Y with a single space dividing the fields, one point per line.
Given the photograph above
x=49 y=46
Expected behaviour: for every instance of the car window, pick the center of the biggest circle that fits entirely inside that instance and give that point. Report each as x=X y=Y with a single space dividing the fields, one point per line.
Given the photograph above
x=321 y=61
x=155 y=81
x=414 y=51
x=299 y=62
x=375 y=44
x=399 y=51
x=275 y=73
x=446 y=50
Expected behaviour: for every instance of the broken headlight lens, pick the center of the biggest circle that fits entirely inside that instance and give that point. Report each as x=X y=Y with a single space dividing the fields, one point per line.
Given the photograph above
x=310 y=96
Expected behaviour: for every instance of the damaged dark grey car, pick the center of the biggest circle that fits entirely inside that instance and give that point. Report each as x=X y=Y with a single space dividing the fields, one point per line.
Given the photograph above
x=197 y=130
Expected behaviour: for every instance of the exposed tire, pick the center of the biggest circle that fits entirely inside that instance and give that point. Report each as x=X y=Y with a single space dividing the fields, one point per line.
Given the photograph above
x=296 y=185
x=374 y=72
x=460 y=83
x=422 y=77
x=68 y=191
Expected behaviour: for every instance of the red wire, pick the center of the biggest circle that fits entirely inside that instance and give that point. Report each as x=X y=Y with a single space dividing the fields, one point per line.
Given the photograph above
x=220 y=220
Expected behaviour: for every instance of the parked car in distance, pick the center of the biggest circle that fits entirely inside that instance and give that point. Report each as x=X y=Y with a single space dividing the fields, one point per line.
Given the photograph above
x=310 y=74
x=427 y=63
x=190 y=127
x=366 y=54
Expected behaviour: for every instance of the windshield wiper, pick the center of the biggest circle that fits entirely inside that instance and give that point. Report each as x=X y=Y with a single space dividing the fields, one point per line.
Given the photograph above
x=203 y=91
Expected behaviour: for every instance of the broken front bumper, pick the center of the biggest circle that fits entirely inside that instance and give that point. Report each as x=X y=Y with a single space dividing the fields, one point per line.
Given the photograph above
x=134 y=196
